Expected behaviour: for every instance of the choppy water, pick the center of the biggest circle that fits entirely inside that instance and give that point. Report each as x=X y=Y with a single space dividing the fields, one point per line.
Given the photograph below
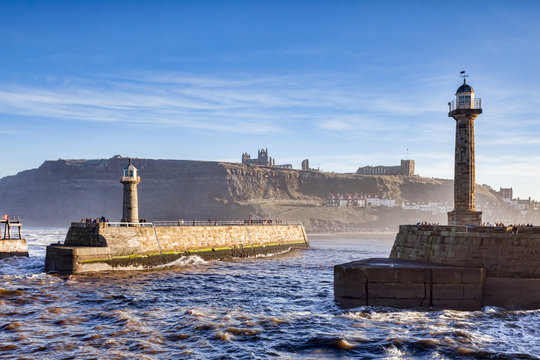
x=270 y=307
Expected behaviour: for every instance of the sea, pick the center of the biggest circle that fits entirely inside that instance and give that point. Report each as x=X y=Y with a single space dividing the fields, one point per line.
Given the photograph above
x=271 y=307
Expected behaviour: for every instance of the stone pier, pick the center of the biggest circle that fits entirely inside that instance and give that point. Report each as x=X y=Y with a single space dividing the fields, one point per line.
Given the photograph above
x=104 y=246
x=408 y=284
x=454 y=267
x=9 y=245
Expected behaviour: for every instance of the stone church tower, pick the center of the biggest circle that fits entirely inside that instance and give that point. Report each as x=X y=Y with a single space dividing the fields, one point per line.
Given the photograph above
x=130 y=208
x=464 y=109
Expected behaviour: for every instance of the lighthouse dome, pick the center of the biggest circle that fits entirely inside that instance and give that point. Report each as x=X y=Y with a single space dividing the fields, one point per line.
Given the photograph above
x=465 y=88
x=130 y=170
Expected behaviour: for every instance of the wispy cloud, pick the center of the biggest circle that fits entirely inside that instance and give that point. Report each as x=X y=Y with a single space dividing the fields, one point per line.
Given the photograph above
x=240 y=104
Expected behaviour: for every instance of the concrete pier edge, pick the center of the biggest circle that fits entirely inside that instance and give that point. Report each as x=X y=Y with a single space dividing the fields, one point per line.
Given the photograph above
x=100 y=247
x=13 y=247
x=448 y=267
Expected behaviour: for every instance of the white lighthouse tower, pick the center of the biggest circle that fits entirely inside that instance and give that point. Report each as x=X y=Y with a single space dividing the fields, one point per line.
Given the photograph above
x=130 y=208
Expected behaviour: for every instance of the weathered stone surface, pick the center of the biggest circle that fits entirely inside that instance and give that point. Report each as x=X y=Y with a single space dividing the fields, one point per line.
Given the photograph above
x=351 y=282
x=396 y=303
x=13 y=247
x=418 y=284
x=464 y=212
x=446 y=291
x=136 y=243
x=512 y=293
x=457 y=304
x=395 y=290
x=499 y=250
x=130 y=202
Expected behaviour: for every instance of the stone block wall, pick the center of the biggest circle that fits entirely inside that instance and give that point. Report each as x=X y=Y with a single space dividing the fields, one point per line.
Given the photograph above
x=464 y=217
x=498 y=249
x=83 y=234
x=13 y=247
x=124 y=241
x=402 y=284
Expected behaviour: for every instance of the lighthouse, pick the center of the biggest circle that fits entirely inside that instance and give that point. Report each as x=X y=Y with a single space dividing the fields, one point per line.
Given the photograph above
x=130 y=208
x=464 y=109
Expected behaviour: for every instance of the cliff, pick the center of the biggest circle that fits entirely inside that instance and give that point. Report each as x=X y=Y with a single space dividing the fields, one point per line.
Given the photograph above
x=65 y=190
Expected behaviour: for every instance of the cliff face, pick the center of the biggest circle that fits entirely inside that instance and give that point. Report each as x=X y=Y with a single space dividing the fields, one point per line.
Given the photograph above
x=65 y=190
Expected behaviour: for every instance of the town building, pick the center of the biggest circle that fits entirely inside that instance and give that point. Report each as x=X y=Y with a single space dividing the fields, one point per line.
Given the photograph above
x=359 y=200
x=434 y=207
x=406 y=169
x=505 y=193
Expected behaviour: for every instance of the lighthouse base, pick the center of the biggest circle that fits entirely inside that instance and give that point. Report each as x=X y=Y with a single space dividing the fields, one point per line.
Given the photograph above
x=464 y=217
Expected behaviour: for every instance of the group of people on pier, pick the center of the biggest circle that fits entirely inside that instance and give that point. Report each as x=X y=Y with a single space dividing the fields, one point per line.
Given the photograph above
x=94 y=220
x=426 y=223
x=211 y=222
x=501 y=224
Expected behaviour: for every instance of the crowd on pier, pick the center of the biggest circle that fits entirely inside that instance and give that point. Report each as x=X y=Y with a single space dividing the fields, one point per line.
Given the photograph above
x=500 y=224
x=94 y=220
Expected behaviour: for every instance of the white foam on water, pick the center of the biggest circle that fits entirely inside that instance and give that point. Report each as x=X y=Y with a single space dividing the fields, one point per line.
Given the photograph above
x=393 y=353
x=272 y=254
x=21 y=266
x=26 y=267
x=184 y=261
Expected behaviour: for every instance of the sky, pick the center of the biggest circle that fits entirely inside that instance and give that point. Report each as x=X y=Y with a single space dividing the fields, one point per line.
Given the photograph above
x=342 y=83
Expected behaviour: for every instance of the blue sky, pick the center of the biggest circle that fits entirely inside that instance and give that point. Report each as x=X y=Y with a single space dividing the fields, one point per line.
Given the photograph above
x=343 y=83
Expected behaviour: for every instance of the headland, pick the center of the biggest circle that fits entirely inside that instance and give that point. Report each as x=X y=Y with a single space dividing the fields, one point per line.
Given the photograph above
x=61 y=191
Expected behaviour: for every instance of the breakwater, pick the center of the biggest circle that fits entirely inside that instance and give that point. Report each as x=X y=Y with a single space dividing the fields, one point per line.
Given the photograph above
x=457 y=267
x=13 y=247
x=502 y=251
x=107 y=246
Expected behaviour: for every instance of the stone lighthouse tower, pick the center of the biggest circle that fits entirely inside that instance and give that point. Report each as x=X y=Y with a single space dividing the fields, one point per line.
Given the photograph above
x=130 y=208
x=464 y=109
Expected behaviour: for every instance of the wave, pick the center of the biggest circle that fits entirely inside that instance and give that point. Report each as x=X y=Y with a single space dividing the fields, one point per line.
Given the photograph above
x=21 y=266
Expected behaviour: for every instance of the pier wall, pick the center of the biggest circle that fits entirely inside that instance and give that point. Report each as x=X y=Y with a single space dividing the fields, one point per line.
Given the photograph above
x=499 y=250
x=124 y=241
x=453 y=267
x=100 y=247
x=408 y=284
x=13 y=247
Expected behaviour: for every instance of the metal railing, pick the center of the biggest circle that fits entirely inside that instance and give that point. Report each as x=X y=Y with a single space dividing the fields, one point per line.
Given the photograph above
x=111 y=224
x=127 y=224
x=225 y=223
x=10 y=217
x=476 y=104
x=187 y=223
